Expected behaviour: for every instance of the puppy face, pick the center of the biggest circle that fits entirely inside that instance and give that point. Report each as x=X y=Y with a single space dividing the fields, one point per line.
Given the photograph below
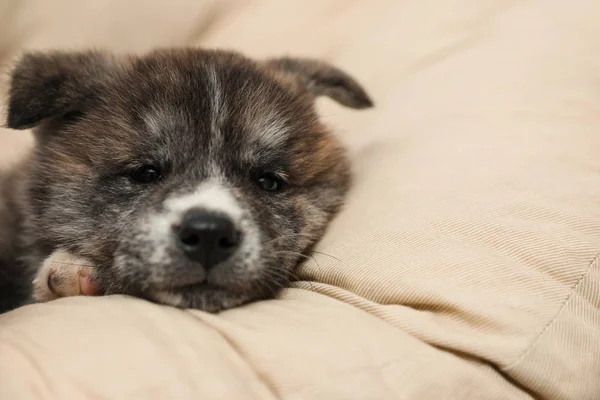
x=193 y=178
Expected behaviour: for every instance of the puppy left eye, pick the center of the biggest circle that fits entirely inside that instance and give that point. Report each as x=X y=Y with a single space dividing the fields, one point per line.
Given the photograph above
x=270 y=182
x=146 y=174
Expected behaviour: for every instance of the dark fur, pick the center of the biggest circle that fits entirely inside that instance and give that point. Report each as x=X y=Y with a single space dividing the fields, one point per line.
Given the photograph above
x=90 y=112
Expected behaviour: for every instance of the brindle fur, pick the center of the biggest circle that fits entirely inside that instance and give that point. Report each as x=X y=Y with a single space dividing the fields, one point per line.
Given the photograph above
x=200 y=115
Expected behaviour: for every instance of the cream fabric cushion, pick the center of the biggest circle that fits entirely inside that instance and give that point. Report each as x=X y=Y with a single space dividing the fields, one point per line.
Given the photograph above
x=465 y=264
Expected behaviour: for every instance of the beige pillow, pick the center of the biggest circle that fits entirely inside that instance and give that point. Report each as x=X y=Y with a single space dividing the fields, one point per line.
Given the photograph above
x=465 y=263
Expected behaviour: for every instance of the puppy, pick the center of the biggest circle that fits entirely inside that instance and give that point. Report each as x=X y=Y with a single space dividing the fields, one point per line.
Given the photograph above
x=193 y=178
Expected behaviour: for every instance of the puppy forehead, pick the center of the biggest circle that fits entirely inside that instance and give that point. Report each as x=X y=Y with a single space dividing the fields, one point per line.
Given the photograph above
x=256 y=128
x=242 y=117
x=210 y=110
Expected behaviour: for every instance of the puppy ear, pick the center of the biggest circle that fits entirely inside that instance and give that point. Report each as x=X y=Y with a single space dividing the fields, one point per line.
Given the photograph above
x=320 y=79
x=45 y=85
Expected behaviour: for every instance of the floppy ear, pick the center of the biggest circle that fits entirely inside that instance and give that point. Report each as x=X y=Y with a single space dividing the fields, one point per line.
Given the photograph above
x=45 y=85
x=320 y=79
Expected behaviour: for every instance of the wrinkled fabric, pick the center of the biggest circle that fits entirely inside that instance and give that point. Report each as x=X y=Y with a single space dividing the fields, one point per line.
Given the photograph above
x=465 y=263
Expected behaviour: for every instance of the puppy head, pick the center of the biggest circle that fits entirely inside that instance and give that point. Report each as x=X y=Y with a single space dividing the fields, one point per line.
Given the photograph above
x=190 y=177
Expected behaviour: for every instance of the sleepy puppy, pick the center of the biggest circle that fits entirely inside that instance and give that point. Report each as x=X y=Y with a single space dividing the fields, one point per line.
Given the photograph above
x=188 y=177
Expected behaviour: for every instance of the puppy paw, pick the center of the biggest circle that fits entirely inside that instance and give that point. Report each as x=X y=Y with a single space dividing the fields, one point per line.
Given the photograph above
x=63 y=275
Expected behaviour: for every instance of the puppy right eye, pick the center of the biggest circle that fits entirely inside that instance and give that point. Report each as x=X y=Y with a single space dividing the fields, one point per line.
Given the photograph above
x=146 y=174
x=270 y=182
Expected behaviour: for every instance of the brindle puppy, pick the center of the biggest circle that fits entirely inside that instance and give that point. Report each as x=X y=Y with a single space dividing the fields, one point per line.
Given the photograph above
x=189 y=177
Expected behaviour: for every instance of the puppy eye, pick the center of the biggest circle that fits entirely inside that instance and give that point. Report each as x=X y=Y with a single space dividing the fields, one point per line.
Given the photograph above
x=270 y=182
x=146 y=174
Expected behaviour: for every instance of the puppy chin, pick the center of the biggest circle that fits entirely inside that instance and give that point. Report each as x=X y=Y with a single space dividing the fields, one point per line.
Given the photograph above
x=201 y=297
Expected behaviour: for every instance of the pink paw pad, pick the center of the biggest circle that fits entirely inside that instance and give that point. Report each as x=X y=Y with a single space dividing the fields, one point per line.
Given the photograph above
x=63 y=275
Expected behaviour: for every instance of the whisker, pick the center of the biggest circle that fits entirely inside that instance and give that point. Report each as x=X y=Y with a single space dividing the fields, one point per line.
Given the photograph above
x=267 y=283
x=287 y=237
x=308 y=257
x=276 y=274
x=294 y=253
x=325 y=254
x=297 y=279
x=271 y=279
x=286 y=275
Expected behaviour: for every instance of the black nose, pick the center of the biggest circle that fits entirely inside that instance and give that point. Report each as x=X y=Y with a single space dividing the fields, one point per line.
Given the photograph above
x=207 y=238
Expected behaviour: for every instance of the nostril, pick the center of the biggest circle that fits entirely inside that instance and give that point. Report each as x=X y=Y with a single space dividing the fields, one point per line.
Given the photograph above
x=229 y=242
x=189 y=238
x=225 y=243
